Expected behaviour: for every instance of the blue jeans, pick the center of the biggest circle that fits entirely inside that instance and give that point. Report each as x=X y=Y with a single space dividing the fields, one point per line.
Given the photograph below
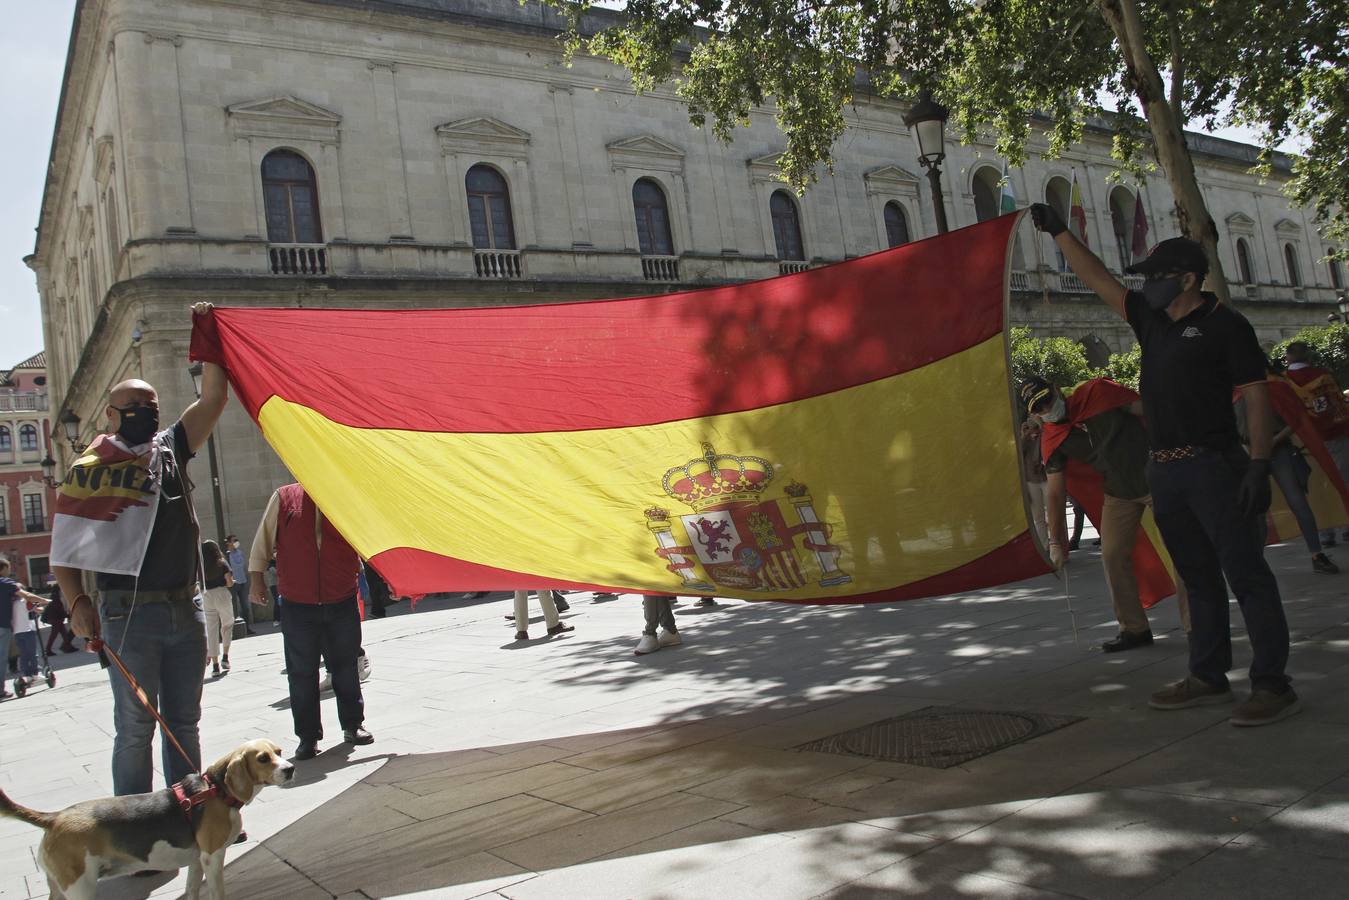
x=164 y=646
x=1289 y=471
x=27 y=641
x=333 y=631
x=6 y=635
x=1194 y=502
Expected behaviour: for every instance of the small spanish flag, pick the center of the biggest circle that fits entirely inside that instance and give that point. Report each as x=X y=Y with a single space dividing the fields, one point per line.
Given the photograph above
x=842 y=435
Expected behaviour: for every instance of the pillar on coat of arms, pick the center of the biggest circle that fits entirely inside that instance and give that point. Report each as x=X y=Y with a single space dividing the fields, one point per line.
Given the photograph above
x=658 y=520
x=826 y=554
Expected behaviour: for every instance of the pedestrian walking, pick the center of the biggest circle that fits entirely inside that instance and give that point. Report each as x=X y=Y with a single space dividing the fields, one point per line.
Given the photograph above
x=550 y=617
x=238 y=566
x=658 y=611
x=15 y=603
x=1327 y=406
x=1209 y=497
x=55 y=616
x=219 y=603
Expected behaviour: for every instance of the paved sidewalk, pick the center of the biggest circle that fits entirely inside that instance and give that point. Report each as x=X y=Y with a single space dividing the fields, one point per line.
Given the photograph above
x=568 y=767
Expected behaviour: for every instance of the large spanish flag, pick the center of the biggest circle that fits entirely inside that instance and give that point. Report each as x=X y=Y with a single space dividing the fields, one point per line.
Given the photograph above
x=841 y=435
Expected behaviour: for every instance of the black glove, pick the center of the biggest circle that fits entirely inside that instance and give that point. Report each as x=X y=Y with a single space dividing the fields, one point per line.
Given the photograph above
x=1047 y=219
x=1253 y=494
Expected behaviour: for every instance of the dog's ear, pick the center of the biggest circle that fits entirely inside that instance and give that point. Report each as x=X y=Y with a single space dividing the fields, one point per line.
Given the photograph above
x=238 y=779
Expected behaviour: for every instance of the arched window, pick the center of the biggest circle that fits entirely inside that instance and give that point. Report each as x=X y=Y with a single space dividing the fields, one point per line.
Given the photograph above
x=1290 y=263
x=290 y=196
x=489 y=209
x=1244 y=262
x=987 y=193
x=653 y=219
x=6 y=440
x=786 y=226
x=1336 y=280
x=896 y=225
x=1122 y=223
x=1057 y=196
x=27 y=437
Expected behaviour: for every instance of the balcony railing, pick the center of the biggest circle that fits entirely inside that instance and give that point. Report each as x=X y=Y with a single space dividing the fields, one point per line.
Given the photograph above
x=792 y=266
x=1071 y=284
x=34 y=527
x=298 y=259
x=497 y=263
x=660 y=268
x=25 y=402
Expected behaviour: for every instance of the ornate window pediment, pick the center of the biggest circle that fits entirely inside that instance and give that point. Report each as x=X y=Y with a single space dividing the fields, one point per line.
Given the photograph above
x=103 y=160
x=890 y=180
x=482 y=135
x=766 y=168
x=287 y=118
x=646 y=151
x=1288 y=228
x=1240 y=223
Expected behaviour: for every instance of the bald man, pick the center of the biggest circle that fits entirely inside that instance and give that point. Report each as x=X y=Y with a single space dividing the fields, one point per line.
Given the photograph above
x=153 y=619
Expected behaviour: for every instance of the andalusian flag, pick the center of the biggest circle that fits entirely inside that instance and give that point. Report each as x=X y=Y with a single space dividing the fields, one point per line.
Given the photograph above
x=1077 y=213
x=1008 y=203
x=842 y=435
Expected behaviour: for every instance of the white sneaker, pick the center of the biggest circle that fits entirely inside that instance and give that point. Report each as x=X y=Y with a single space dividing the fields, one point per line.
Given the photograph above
x=648 y=644
x=327 y=683
x=669 y=638
x=363 y=667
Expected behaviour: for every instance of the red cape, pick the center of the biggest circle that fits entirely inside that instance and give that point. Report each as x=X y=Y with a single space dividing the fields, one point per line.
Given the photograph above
x=1288 y=404
x=1086 y=486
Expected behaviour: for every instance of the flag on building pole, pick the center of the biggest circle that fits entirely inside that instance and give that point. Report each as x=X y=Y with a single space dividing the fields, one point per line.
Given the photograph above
x=1140 y=236
x=1008 y=204
x=789 y=439
x=1077 y=214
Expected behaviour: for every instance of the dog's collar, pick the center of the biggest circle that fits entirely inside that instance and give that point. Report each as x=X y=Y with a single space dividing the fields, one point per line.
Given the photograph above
x=187 y=801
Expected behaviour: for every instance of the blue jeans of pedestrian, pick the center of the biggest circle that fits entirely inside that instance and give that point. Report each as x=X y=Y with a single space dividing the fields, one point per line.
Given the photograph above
x=331 y=631
x=242 y=607
x=1289 y=471
x=164 y=646
x=1195 y=503
x=27 y=641
x=6 y=635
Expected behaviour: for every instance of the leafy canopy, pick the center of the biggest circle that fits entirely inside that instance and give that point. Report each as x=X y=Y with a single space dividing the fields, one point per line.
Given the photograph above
x=1281 y=66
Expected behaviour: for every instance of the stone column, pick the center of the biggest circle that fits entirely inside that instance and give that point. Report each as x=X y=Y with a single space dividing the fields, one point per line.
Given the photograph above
x=573 y=180
x=159 y=196
x=393 y=165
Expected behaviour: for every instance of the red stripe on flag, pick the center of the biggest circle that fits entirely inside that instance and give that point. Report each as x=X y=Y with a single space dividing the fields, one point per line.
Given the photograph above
x=577 y=366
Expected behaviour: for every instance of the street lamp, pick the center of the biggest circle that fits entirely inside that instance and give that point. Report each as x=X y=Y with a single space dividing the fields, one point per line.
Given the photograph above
x=1342 y=305
x=49 y=471
x=195 y=371
x=927 y=120
x=70 y=424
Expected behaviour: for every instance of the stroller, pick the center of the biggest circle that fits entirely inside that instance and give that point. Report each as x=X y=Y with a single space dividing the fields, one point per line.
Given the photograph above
x=21 y=683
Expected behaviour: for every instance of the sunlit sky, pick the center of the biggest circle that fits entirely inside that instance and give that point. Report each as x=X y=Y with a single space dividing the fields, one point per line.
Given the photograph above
x=32 y=60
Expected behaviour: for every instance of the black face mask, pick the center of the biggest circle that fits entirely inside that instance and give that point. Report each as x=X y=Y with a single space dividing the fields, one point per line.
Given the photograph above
x=139 y=423
x=1162 y=292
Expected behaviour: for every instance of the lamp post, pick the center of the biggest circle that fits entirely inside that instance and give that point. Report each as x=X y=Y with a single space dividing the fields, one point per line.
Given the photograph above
x=1342 y=304
x=195 y=371
x=927 y=120
x=49 y=471
x=70 y=424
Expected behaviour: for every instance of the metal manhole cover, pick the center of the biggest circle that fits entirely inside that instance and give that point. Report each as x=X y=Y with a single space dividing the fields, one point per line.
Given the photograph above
x=940 y=736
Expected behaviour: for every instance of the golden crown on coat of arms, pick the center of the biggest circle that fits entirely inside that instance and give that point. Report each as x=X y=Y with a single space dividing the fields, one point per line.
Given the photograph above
x=717 y=478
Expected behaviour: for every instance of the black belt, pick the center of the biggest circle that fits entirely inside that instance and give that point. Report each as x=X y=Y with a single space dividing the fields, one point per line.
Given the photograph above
x=1174 y=454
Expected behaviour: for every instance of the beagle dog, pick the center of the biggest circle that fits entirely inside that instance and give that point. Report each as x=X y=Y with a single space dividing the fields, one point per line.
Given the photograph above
x=189 y=824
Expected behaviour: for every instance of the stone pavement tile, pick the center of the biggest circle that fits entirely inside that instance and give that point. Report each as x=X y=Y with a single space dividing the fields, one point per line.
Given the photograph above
x=1248 y=764
x=454 y=796
x=1317 y=825
x=579 y=841
x=1250 y=872
x=634 y=783
x=828 y=719
x=833 y=789
x=440 y=771
x=261 y=875
x=790 y=813
x=757 y=774
x=345 y=822
x=626 y=872
x=911 y=878
x=1104 y=844
x=648 y=745
x=361 y=856
x=475 y=875
x=812 y=862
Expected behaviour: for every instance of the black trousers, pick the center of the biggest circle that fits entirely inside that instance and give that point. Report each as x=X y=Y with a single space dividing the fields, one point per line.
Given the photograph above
x=1194 y=501
x=331 y=631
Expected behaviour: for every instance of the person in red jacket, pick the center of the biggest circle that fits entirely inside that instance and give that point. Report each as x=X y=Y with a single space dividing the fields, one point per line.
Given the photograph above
x=1328 y=409
x=316 y=571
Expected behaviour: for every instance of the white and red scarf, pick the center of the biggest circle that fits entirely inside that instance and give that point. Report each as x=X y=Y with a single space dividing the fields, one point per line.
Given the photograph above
x=105 y=508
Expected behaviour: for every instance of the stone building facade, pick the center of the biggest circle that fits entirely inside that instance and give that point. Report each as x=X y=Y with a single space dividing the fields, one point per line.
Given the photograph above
x=26 y=501
x=395 y=153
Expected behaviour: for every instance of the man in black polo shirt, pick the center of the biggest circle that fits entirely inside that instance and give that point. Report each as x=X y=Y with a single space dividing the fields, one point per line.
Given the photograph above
x=1209 y=497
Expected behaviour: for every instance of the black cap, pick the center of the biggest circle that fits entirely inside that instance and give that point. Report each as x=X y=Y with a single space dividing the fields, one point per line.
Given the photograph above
x=1173 y=255
x=1033 y=391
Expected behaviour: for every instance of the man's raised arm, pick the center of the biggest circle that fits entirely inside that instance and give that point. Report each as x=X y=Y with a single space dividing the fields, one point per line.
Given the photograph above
x=1085 y=264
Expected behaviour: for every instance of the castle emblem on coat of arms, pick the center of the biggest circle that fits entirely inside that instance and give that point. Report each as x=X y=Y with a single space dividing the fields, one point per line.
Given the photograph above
x=736 y=535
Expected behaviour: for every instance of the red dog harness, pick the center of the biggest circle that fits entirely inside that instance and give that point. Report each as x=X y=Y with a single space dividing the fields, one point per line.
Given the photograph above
x=187 y=802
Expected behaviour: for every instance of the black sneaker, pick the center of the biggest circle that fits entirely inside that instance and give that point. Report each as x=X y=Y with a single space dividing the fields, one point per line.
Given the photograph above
x=1128 y=640
x=1322 y=564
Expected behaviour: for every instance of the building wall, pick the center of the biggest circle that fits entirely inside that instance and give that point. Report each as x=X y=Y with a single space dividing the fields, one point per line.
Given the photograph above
x=25 y=540
x=170 y=108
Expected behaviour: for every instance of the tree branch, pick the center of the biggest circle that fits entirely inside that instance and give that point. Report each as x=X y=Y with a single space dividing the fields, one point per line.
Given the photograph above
x=1177 y=66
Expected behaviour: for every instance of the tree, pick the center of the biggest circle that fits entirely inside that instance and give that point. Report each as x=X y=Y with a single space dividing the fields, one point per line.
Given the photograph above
x=1059 y=360
x=1330 y=348
x=1281 y=65
x=1125 y=367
